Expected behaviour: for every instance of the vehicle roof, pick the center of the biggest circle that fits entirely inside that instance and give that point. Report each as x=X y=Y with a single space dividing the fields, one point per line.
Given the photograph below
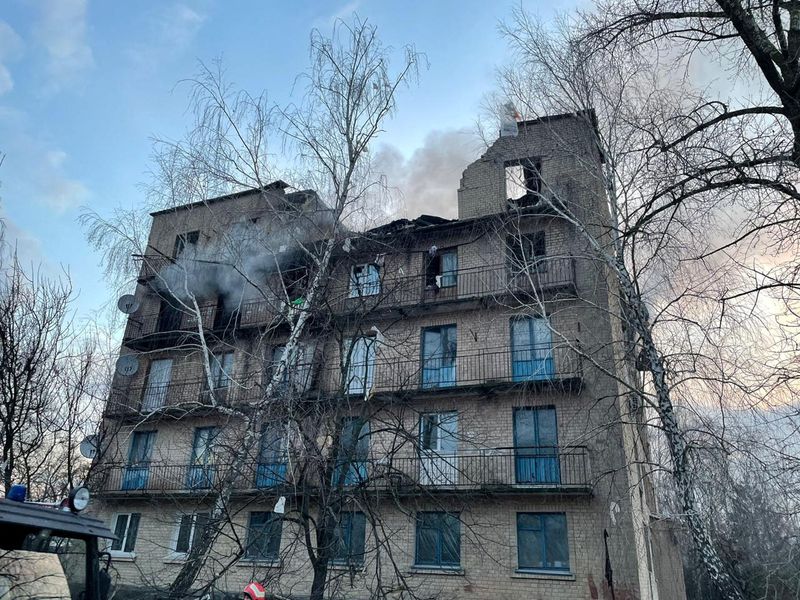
x=61 y=522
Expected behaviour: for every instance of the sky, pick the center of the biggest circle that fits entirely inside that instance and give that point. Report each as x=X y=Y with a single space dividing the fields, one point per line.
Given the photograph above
x=86 y=84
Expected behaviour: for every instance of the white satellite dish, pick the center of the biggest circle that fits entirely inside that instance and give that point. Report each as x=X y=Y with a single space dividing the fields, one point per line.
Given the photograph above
x=88 y=446
x=128 y=304
x=127 y=365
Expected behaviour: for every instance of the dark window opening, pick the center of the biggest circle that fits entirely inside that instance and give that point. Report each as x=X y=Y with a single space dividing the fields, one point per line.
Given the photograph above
x=226 y=313
x=126 y=528
x=169 y=315
x=190 y=531
x=528 y=250
x=183 y=240
x=295 y=282
x=441 y=269
x=523 y=182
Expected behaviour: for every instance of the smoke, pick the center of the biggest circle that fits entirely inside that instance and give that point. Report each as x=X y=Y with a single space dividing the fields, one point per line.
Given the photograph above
x=237 y=263
x=428 y=179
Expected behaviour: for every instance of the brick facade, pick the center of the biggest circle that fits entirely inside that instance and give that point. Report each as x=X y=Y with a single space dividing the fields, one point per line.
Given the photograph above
x=595 y=429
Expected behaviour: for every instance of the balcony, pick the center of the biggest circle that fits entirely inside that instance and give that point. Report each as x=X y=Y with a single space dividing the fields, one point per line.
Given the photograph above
x=547 y=276
x=533 y=366
x=182 y=395
x=494 y=470
x=151 y=265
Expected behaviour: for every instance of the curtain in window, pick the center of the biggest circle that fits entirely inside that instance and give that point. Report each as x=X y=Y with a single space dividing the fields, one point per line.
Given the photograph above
x=449 y=268
x=158 y=380
x=531 y=349
x=439 y=348
x=361 y=366
x=137 y=472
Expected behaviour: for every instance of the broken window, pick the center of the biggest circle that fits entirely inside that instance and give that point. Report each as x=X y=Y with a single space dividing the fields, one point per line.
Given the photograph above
x=295 y=282
x=528 y=250
x=441 y=269
x=523 y=182
x=184 y=240
x=365 y=280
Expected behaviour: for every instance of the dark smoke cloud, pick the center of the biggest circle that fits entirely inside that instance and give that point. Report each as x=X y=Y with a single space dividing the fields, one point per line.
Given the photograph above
x=427 y=181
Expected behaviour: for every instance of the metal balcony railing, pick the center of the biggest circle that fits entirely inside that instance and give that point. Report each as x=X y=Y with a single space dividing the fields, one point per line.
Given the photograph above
x=510 y=469
x=151 y=264
x=188 y=394
x=531 y=365
x=500 y=280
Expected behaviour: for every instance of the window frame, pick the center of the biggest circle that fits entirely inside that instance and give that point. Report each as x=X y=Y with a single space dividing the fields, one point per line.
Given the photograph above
x=220 y=370
x=531 y=167
x=543 y=549
x=122 y=551
x=274 y=526
x=439 y=563
x=187 y=238
x=353 y=558
x=434 y=267
x=362 y=285
x=192 y=532
x=444 y=364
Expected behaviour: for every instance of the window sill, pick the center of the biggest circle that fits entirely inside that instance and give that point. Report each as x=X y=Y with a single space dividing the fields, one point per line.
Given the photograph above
x=346 y=567
x=258 y=562
x=426 y=570
x=543 y=574
x=122 y=556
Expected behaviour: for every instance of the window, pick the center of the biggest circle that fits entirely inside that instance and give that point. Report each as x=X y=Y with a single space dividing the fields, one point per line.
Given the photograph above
x=441 y=269
x=189 y=239
x=272 y=455
x=365 y=280
x=295 y=282
x=190 y=529
x=349 y=536
x=158 y=380
x=360 y=362
x=201 y=473
x=137 y=472
x=263 y=536
x=438 y=542
x=536 y=445
x=170 y=316
x=542 y=541
x=438 y=434
x=531 y=349
x=528 y=250
x=226 y=313
x=439 y=347
x=523 y=182
x=221 y=369
x=126 y=526
x=353 y=454
x=296 y=376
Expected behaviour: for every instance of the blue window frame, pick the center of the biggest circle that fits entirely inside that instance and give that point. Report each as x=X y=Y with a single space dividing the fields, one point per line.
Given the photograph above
x=365 y=280
x=531 y=349
x=272 y=456
x=439 y=350
x=536 y=445
x=438 y=540
x=202 y=471
x=349 y=538
x=137 y=471
x=353 y=453
x=263 y=536
x=542 y=542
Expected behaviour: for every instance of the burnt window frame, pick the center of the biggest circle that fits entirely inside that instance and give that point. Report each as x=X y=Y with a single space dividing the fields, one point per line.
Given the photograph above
x=532 y=179
x=187 y=238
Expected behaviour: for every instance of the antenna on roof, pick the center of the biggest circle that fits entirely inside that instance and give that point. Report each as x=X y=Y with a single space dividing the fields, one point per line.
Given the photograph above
x=509 y=120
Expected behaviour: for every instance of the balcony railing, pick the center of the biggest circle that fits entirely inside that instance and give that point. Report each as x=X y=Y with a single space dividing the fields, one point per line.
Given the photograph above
x=151 y=264
x=507 y=469
x=187 y=394
x=534 y=364
x=501 y=280
x=540 y=365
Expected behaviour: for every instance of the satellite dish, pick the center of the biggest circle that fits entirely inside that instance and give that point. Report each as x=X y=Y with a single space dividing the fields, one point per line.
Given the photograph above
x=128 y=304
x=127 y=365
x=88 y=446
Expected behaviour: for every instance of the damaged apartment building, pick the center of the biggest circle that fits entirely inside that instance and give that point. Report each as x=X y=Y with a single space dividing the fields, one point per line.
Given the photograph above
x=451 y=418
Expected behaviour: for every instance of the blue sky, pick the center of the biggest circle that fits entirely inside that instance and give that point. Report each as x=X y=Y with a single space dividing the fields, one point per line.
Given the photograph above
x=84 y=84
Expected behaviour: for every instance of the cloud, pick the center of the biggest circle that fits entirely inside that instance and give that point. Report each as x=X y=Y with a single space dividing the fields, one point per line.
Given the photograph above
x=34 y=171
x=10 y=49
x=171 y=30
x=428 y=179
x=61 y=31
